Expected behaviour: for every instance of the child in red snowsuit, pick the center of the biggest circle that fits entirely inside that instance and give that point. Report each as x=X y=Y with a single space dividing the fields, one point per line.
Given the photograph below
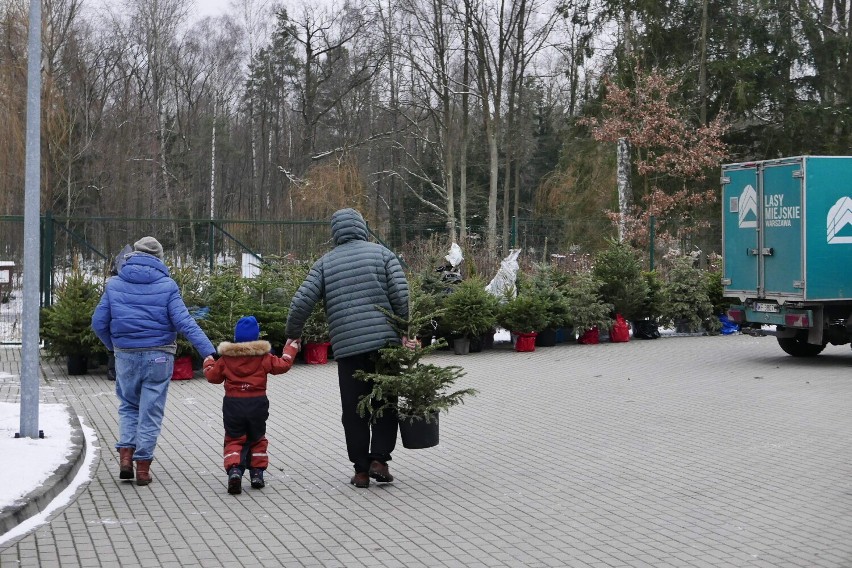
x=243 y=366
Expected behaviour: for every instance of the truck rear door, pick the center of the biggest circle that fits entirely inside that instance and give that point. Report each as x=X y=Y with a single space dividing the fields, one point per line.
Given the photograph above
x=781 y=216
x=762 y=225
x=739 y=226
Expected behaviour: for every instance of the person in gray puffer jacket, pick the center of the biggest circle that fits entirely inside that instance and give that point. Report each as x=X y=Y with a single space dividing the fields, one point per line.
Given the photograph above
x=353 y=279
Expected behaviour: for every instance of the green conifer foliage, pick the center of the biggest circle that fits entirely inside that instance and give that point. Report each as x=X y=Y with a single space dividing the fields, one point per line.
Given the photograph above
x=66 y=325
x=416 y=389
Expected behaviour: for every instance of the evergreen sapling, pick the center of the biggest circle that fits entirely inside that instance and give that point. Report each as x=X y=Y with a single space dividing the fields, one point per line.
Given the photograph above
x=403 y=381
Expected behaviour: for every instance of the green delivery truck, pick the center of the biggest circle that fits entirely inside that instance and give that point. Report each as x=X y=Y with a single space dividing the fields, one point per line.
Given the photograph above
x=787 y=249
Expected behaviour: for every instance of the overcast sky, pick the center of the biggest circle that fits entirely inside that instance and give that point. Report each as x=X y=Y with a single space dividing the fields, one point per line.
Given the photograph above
x=211 y=7
x=201 y=9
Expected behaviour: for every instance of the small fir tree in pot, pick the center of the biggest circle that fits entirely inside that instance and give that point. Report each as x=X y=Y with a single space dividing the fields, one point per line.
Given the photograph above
x=66 y=326
x=417 y=391
x=547 y=284
x=526 y=313
x=423 y=301
x=716 y=294
x=646 y=324
x=316 y=336
x=524 y=316
x=687 y=305
x=190 y=281
x=619 y=271
x=316 y=326
x=469 y=312
x=587 y=308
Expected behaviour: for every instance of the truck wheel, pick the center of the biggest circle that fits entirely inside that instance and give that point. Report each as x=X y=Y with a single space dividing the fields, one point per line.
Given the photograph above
x=799 y=347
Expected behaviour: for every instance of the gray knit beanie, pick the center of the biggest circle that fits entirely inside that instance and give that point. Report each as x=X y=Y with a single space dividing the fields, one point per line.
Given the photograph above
x=149 y=245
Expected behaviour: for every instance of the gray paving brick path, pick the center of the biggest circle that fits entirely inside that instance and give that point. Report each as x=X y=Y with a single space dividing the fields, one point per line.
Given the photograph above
x=688 y=451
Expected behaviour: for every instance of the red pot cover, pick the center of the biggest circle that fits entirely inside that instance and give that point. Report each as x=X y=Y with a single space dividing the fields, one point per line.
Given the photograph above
x=620 y=331
x=589 y=337
x=183 y=368
x=525 y=342
x=316 y=353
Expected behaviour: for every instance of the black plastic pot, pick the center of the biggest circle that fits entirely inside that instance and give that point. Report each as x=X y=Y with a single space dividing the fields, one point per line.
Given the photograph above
x=78 y=365
x=488 y=340
x=418 y=434
x=546 y=337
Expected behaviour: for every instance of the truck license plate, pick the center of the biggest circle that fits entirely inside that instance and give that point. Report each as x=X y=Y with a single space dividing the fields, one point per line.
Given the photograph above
x=763 y=307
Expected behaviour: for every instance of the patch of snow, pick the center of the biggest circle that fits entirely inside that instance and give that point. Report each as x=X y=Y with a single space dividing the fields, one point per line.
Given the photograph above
x=42 y=458
x=37 y=459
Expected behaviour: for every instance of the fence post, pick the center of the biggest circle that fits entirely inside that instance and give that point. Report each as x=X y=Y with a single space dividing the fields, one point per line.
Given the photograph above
x=47 y=251
x=651 y=240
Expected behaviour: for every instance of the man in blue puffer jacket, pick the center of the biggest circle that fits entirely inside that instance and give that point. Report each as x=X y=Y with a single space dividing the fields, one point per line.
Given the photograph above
x=354 y=278
x=138 y=318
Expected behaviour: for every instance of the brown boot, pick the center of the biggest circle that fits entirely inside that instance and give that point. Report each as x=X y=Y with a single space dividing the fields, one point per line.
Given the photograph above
x=143 y=473
x=380 y=472
x=125 y=463
x=360 y=479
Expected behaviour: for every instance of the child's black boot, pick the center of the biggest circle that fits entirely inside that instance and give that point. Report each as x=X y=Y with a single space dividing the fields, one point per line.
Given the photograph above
x=235 y=480
x=257 y=478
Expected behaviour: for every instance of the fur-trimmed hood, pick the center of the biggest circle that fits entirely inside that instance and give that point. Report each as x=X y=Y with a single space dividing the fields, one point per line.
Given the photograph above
x=244 y=365
x=245 y=349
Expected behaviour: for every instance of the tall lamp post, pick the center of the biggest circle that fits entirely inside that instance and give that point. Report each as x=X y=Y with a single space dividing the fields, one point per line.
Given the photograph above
x=32 y=206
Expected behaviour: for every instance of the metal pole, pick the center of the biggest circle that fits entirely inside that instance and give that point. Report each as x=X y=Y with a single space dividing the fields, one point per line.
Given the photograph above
x=32 y=206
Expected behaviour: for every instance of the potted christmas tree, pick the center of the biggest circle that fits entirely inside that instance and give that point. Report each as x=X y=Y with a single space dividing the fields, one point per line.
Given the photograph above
x=622 y=282
x=315 y=335
x=469 y=312
x=417 y=391
x=66 y=326
x=190 y=281
x=547 y=283
x=525 y=315
x=588 y=311
x=687 y=305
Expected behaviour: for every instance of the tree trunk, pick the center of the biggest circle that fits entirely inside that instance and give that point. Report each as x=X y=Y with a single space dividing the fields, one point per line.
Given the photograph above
x=213 y=166
x=465 y=129
x=625 y=193
x=702 y=66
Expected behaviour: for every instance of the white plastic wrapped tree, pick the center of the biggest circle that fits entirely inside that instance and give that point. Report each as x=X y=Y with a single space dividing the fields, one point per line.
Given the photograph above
x=504 y=281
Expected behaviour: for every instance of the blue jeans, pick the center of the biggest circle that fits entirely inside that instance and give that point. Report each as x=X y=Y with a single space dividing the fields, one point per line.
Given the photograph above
x=142 y=382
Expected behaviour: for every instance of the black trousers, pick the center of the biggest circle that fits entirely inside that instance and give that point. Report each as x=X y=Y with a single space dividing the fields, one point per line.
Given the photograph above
x=245 y=432
x=365 y=442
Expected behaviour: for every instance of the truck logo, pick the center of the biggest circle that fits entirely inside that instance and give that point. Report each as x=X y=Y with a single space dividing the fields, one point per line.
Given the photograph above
x=748 y=208
x=839 y=222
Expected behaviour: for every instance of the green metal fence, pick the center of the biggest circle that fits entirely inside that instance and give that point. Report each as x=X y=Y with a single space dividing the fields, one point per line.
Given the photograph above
x=548 y=239
x=90 y=244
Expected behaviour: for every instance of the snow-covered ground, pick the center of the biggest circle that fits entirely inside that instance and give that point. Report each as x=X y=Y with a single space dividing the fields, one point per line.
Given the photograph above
x=35 y=459
x=28 y=463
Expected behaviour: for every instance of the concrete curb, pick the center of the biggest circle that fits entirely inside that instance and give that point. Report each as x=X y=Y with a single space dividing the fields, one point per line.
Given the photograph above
x=35 y=501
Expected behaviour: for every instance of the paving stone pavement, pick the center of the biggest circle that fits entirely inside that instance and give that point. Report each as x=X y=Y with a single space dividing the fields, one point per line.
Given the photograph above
x=682 y=451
